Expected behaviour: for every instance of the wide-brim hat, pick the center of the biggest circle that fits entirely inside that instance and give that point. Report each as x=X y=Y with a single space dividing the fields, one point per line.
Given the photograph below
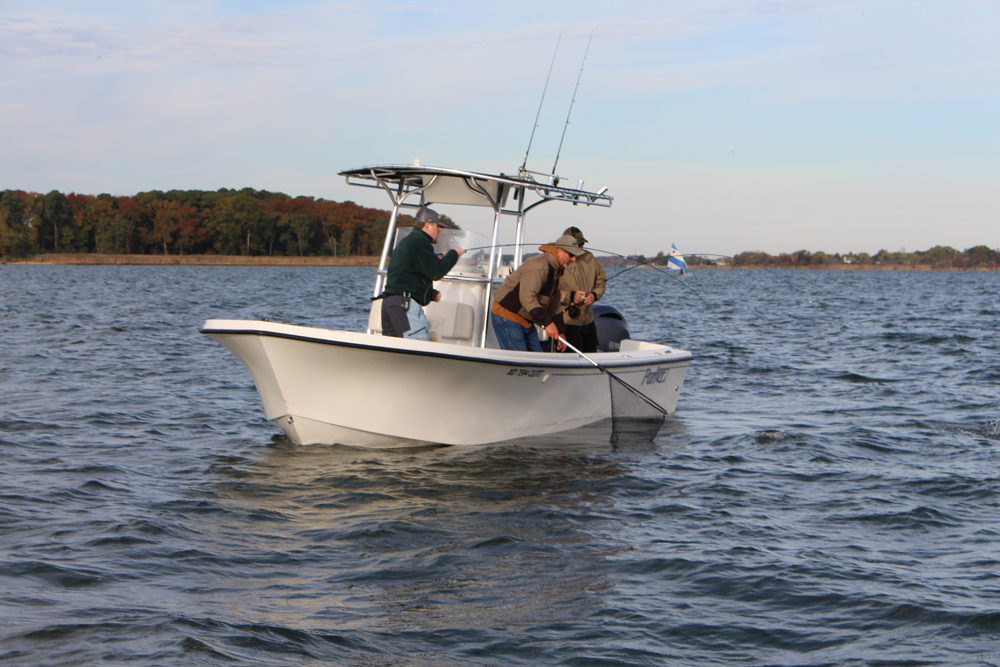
x=569 y=244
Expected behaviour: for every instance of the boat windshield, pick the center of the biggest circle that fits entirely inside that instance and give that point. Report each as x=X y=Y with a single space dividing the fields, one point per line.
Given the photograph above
x=475 y=261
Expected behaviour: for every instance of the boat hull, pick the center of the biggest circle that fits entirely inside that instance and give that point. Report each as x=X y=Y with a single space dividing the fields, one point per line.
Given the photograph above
x=325 y=386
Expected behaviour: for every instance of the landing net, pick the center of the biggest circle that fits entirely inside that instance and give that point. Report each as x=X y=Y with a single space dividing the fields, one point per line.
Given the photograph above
x=634 y=418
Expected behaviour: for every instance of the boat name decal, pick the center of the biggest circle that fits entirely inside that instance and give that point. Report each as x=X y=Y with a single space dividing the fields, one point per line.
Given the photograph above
x=526 y=372
x=655 y=377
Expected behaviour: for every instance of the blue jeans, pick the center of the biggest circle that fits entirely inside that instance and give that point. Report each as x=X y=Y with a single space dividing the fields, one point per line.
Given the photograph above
x=512 y=336
x=403 y=322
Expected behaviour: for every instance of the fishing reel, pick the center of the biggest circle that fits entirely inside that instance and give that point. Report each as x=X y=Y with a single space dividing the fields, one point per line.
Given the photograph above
x=573 y=310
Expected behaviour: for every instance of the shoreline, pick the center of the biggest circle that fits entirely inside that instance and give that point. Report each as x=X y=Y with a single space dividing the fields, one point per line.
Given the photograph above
x=848 y=267
x=97 y=259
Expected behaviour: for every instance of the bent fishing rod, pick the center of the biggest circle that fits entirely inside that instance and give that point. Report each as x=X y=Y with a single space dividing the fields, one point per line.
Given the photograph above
x=608 y=252
x=650 y=263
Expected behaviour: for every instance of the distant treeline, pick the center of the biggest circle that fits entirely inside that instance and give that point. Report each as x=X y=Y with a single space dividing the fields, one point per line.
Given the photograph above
x=188 y=222
x=262 y=223
x=938 y=257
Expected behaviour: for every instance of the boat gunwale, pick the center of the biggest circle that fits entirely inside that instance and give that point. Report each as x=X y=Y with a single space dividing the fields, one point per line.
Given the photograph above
x=569 y=362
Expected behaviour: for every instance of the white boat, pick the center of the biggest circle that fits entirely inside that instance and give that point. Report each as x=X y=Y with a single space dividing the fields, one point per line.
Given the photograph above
x=368 y=390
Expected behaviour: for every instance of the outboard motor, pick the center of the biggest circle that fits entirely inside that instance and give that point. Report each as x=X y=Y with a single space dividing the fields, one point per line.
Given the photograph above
x=612 y=328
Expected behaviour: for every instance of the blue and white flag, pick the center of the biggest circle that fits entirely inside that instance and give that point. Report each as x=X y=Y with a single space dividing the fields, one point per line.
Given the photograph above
x=676 y=260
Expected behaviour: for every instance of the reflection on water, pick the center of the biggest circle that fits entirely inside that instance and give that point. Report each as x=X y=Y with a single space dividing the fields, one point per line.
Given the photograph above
x=508 y=536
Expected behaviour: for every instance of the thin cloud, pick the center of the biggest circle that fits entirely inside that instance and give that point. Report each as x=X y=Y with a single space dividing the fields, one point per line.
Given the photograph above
x=721 y=97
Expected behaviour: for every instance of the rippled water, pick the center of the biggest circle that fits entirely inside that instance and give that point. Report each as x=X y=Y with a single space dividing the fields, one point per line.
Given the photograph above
x=826 y=495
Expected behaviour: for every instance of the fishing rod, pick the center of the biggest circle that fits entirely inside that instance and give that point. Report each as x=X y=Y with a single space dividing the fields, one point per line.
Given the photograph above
x=674 y=277
x=608 y=252
x=578 y=77
x=538 y=115
x=649 y=263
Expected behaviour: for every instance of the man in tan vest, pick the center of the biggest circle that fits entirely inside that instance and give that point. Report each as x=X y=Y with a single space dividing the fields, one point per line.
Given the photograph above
x=582 y=284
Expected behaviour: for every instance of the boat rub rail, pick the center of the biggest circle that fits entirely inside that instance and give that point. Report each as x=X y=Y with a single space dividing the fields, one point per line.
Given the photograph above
x=555 y=359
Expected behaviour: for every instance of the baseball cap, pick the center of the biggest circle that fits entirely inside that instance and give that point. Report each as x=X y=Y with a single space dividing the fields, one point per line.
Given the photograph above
x=425 y=215
x=575 y=233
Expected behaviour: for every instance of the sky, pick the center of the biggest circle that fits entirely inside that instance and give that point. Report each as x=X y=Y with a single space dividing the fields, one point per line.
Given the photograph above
x=721 y=126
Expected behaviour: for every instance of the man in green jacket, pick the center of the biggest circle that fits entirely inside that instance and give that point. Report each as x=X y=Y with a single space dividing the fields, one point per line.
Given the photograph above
x=412 y=271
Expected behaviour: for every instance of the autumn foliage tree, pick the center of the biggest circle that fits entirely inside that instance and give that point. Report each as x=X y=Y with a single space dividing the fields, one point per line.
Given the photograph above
x=258 y=222
x=20 y=213
x=229 y=222
x=164 y=225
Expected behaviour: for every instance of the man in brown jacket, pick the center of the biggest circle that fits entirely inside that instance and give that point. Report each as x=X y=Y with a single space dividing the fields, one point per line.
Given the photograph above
x=531 y=296
x=582 y=284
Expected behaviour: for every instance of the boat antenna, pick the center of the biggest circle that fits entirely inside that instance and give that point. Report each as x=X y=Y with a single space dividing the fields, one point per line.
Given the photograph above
x=537 y=115
x=559 y=151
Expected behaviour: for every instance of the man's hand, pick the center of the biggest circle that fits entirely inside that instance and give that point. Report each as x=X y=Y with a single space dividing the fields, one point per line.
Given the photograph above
x=459 y=251
x=437 y=296
x=553 y=332
x=589 y=299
